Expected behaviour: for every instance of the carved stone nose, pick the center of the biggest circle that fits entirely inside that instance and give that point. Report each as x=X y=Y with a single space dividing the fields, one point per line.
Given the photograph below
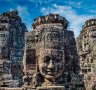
x=51 y=65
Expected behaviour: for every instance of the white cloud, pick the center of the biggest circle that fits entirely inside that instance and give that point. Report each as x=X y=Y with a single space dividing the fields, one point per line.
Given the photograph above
x=76 y=21
x=23 y=11
x=75 y=4
x=36 y=2
x=45 y=1
x=11 y=9
x=93 y=11
x=25 y=15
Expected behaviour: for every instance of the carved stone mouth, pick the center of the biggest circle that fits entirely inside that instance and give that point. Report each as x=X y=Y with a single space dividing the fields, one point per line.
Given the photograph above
x=50 y=72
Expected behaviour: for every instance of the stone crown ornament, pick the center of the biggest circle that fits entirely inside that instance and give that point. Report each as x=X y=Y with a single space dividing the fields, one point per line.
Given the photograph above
x=51 y=18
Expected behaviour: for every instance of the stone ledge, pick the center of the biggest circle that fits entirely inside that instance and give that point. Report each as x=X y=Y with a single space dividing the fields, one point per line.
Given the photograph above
x=51 y=88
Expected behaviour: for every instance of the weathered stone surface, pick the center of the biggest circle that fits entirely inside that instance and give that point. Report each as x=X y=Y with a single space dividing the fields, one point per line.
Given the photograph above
x=86 y=44
x=11 y=49
x=51 y=58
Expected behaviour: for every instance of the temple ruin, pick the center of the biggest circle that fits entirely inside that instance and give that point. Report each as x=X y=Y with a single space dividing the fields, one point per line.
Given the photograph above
x=86 y=44
x=44 y=59
x=11 y=49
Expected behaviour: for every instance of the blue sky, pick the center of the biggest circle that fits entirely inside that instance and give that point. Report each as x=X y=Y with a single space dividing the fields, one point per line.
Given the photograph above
x=75 y=11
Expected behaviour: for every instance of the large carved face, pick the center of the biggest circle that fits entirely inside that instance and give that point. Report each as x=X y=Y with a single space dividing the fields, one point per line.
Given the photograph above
x=51 y=63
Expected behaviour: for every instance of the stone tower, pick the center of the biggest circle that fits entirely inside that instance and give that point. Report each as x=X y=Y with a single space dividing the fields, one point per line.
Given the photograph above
x=86 y=43
x=11 y=49
x=50 y=56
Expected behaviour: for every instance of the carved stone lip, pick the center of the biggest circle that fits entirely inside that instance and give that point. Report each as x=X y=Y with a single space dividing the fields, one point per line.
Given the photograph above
x=51 y=73
x=50 y=70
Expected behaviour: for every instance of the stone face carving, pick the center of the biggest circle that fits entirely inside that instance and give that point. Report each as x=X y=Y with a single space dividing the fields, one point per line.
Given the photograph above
x=51 y=63
x=56 y=56
x=50 y=60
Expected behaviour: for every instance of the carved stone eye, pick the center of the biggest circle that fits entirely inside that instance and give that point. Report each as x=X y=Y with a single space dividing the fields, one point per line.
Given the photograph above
x=47 y=59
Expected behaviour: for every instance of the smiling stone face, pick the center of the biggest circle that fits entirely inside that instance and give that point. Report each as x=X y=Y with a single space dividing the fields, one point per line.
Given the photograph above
x=51 y=63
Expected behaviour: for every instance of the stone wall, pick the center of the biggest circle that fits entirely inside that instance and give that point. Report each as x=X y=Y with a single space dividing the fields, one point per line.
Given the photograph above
x=11 y=47
x=87 y=52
